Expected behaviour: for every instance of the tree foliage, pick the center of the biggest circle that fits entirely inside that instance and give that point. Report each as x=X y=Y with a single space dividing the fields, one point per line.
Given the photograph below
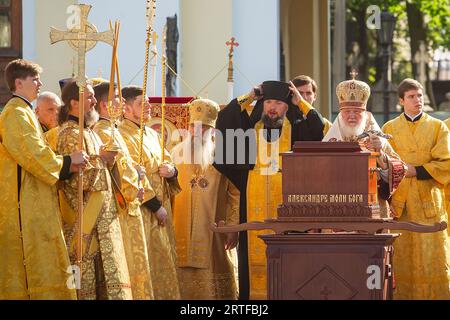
x=417 y=20
x=436 y=14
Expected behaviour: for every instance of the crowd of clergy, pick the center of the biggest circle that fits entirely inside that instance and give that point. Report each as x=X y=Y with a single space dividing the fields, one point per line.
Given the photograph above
x=147 y=211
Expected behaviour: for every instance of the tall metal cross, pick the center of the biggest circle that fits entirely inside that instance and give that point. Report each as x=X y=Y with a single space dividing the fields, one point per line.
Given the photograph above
x=82 y=39
x=230 y=81
x=232 y=44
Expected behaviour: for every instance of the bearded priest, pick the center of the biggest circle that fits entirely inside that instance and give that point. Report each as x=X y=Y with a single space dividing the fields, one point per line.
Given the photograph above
x=355 y=123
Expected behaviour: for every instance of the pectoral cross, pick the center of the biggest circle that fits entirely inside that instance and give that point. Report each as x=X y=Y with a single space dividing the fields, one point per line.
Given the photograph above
x=82 y=40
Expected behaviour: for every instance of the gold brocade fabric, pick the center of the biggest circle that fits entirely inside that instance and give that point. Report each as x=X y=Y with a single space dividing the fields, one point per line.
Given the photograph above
x=160 y=239
x=206 y=269
x=105 y=272
x=421 y=260
x=52 y=137
x=447 y=187
x=130 y=218
x=33 y=259
x=263 y=197
x=326 y=126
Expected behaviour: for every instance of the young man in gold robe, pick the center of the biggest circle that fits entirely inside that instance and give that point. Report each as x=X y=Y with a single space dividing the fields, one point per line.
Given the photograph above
x=34 y=262
x=447 y=187
x=421 y=260
x=308 y=90
x=104 y=271
x=205 y=260
x=126 y=181
x=163 y=184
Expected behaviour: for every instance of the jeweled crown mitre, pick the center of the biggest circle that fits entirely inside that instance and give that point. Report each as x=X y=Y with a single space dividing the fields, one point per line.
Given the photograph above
x=353 y=93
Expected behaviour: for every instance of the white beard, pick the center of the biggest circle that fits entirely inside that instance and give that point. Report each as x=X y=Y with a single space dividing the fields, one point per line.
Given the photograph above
x=348 y=132
x=196 y=150
x=91 y=117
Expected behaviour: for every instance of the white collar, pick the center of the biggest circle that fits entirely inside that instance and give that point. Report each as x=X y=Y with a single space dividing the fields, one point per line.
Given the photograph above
x=413 y=117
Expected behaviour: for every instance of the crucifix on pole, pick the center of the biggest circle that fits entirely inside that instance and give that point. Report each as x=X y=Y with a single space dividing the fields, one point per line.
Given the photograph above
x=82 y=39
x=231 y=44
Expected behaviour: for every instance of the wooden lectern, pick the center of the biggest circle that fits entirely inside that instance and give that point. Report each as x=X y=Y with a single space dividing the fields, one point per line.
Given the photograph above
x=329 y=185
x=329 y=181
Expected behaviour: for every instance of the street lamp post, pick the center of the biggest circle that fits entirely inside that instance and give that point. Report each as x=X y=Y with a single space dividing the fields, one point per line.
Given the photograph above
x=385 y=36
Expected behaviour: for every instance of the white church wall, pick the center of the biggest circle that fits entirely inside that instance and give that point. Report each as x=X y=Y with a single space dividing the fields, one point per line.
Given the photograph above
x=205 y=27
x=28 y=23
x=56 y=59
x=38 y=16
x=256 y=27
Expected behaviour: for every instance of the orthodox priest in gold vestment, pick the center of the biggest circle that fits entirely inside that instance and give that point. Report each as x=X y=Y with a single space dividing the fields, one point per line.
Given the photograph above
x=128 y=193
x=421 y=260
x=104 y=270
x=205 y=259
x=278 y=119
x=156 y=207
x=34 y=263
x=355 y=123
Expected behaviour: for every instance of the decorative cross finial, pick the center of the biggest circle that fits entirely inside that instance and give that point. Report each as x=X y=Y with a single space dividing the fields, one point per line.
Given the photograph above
x=232 y=44
x=82 y=39
x=353 y=74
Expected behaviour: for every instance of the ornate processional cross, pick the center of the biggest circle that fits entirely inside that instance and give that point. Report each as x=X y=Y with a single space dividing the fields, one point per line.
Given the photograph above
x=82 y=39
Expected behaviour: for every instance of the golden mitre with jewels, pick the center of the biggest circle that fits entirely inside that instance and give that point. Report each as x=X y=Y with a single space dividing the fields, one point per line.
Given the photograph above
x=353 y=93
x=204 y=111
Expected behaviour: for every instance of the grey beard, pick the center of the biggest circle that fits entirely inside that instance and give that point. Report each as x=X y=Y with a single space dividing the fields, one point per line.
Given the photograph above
x=91 y=118
x=272 y=123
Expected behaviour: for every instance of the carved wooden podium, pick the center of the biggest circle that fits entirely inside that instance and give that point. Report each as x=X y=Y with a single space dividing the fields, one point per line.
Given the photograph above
x=329 y=185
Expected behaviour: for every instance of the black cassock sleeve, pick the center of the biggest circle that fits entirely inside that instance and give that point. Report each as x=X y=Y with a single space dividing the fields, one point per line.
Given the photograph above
x=232 y=118
x=304 y=128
